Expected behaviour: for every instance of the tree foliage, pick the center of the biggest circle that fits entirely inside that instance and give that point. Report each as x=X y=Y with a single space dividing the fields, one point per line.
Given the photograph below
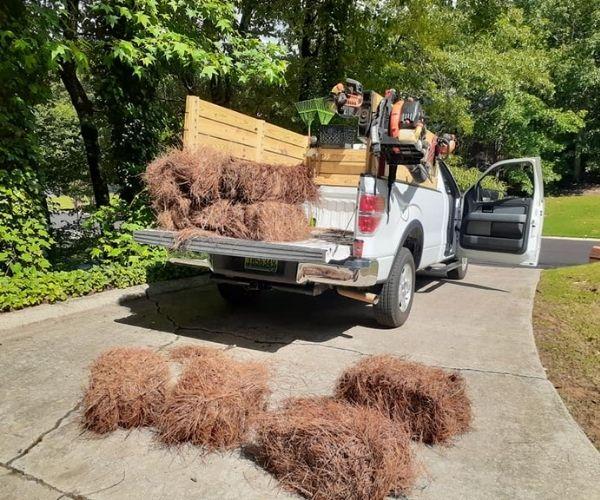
x=24 y=234
x=93 y=89
x=24 y=61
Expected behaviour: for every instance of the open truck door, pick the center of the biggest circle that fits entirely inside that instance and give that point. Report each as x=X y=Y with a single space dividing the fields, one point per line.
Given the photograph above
x=504 y=227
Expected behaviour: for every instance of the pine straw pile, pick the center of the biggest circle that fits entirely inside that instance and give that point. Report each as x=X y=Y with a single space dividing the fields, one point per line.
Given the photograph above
x=207 y=190
x=189 y=352
x=327 y=449
x=126 y=389
x=215 y=400
x=432 y=402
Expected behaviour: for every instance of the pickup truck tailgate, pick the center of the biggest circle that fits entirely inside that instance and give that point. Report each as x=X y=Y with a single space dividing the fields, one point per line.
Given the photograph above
x=322 y=248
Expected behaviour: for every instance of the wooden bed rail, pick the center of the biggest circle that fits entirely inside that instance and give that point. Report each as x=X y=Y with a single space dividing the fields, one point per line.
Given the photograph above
x=250 y=138
x=240 y=135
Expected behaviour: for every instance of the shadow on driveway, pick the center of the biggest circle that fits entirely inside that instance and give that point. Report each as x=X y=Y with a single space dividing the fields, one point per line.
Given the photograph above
x=269 y=323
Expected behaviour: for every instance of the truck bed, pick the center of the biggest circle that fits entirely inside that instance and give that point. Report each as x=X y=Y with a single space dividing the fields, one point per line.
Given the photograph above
x=324 y=246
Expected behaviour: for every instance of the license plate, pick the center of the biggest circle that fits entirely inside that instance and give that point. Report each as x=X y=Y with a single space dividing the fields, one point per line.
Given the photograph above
x=265 y=265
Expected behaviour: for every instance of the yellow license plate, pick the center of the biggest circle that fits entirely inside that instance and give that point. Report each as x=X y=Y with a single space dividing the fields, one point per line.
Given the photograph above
x=265 y=265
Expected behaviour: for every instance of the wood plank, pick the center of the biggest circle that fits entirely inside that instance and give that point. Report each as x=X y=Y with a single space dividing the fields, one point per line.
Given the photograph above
x=189 y=123
x=342 y=167
x=224 y=115
x=240 y=135
x=232 y=148
x=219 y=130
x=278 y=159
x=284 y=135
x=346 y=155
x=260 y=136
x=284 y=148
x=337 y=180
x=403 y=175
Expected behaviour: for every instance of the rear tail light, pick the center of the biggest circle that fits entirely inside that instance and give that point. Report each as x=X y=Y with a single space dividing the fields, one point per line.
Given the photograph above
x=357 y=248
x=367 y=224
x=370 y=211
x=371 y=203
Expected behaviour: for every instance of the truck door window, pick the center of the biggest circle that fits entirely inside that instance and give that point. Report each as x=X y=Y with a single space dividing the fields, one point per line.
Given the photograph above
x=508 y=182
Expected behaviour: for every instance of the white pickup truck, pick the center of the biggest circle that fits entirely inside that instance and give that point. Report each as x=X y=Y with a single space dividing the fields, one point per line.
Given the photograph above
x=368 y=245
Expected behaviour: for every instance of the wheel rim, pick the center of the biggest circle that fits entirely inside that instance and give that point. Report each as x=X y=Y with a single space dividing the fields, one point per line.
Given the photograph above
x=405 y=287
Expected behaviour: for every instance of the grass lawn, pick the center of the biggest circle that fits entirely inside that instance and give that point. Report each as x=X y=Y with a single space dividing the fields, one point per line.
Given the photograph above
x=63 y=202
x=577 y=216
x=566 y=321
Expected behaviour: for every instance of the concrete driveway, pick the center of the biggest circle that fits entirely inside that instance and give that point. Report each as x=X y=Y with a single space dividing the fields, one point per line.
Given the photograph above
x=524 y=443
x=558 y=252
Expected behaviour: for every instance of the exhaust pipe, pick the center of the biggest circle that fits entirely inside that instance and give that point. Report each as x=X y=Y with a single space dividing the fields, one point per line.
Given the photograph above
x=368 y=297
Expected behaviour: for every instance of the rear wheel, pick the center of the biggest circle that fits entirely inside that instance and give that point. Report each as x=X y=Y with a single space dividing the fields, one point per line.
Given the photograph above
x=396 y=297
x=236 y=294
x=460 y=272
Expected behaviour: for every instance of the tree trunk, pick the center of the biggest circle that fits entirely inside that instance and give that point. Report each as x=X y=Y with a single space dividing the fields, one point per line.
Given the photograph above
x=306 y=53
x=577 y=164
x=89 y=130
x=577 y=167
x=83 y=107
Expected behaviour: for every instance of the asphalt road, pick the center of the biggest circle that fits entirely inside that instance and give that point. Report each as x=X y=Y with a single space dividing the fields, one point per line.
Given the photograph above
x=557 y=252
x=523 y=444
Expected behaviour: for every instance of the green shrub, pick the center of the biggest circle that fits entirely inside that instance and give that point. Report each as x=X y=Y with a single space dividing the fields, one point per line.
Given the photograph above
x=24 y=235
x=113 y=226
x=465 y=177
x=118 y=261
x=32 y=287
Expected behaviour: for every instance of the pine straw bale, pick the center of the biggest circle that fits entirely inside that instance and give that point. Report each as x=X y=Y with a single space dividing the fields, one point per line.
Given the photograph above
x=214 y=402
x=252 y=182
x=126 y=389
x=189 y=352
x=207 y=178
x=162 y=184
x=212 y=191
x=166 y=220
x=328 y=449
x=265 y=221
x=274 y=221
x=176 y=215
x=224 y=218
x=432 y=402
x=206 y=174
x=195 y=174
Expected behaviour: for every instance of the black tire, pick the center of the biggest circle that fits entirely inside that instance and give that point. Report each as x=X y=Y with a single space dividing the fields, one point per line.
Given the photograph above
x=237 y=295
x=390 y=310
x=460 y=272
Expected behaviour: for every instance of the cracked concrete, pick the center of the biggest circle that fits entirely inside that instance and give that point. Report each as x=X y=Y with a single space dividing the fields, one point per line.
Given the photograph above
x=16 y=484
x=524 y=444
x=39 y=439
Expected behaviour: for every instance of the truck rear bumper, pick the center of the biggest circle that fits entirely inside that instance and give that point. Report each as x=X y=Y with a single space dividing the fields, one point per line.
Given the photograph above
x=315 y=261
x=347 y=274
x=352 y=273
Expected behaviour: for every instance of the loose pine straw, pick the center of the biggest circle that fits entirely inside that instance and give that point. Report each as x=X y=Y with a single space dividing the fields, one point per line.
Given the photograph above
x=126 y=389
x=326 y=449
x=431 y=401
x=211 y=191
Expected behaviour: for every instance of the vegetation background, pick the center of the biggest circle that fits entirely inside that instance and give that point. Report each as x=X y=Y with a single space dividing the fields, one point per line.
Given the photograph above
x=94 y=89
